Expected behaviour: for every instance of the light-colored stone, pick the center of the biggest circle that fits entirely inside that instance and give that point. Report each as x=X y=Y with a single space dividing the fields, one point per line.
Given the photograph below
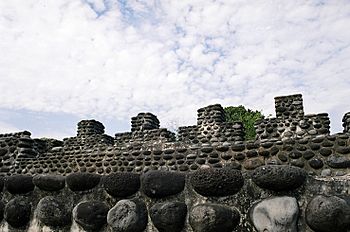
x=128 y=216
x=278 y=214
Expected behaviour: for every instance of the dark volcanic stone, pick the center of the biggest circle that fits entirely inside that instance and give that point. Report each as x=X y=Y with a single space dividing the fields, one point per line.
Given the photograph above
x=212 y=218
x=343 y=150
x=53 y=212
x=278 y=177
x=82 y=181
x=159 y=184
x=2 y=182
x=17 y=212
x=328 y=214
x=325 y=151
x=128 y=216
x=2 y=208
x=217 y=182
x=3 y=151
x=19 y=184
x=49 y=182
x=121 y=184
x=169 y=217
x=295 y=155
x=335 y=161
x=308 y=154
x=91 y=215
x=316 y=163
x=282 y=157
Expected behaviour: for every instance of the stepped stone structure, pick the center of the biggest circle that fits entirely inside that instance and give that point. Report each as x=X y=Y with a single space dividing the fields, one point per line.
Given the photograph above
x=294 y=176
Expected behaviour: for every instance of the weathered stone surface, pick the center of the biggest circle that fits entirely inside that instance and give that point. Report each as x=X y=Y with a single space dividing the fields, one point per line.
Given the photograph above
x=2 y=182
x=19 y=184
x=316 y=163
x=278 y=214
x=159 y=184
x=17 y=212
x=53 y=212
x=91 y=215
x=49 y=182
x=336 y=161
x=128 y=216
x=217 y=182
x=82 y=181
x=2 y=208
x=169 y=217
x=121 y=184
x=279 y=177
x=253 y=163
x=328 y=214
x=213 y=218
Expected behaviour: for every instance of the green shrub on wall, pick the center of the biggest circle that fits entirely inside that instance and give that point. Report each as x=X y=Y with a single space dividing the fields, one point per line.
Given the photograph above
x=247 y=116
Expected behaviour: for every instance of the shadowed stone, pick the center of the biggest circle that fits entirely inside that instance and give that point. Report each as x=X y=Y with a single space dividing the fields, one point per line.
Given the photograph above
x=217 y=182
x=91 y=215
x=169 y=217
x=278 y=214
x=328 y=214
x=19 y=184
x=82 y=181
x=159 y=184
x=2 y=208
x=213 y=218
x=49 y=182
x=121 y=184
x=128 y=216
x=53 y=212
x=338 y=161
x=279 y=177
x=2 y=182
x=17 y=212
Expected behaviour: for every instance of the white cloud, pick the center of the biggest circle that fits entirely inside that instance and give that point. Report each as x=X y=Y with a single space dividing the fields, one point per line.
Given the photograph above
x=112 y=59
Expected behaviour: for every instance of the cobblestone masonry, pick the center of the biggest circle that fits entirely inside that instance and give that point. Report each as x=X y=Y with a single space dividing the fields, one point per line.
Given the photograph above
x=293 y=177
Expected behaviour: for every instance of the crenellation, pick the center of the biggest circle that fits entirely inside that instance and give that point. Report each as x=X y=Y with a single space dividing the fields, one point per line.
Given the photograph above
x=289 y=106
x=293 y=177
x=346 y=122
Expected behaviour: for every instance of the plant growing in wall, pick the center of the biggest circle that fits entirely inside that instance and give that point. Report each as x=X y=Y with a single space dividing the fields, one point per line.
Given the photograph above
x=247 y=116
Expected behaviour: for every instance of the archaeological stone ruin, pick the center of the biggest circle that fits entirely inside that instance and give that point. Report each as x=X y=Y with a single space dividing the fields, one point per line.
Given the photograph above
x=294 y=177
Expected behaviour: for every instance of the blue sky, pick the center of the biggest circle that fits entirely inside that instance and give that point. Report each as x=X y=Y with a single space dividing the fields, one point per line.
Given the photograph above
x=63 y=61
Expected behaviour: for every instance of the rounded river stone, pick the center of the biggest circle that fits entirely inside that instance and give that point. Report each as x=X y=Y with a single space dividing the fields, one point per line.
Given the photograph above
x=17 y=212
x=121 y=184
x=169 y=217
x=328 y=214
x=82 y=181
x=19 y=184
x=277 y=214
x=279 y=177
x=160 y=184
x=128 y=216
x=213 y=218
x=91 y=215
x=217 y=182
x=49 y=182
x=53 y=212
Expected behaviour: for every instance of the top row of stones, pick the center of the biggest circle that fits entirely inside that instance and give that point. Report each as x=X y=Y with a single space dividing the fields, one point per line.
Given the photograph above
x=158 y=184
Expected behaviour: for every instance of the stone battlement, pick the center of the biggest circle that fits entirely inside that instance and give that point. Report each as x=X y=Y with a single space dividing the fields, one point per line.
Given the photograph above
x=205 y=178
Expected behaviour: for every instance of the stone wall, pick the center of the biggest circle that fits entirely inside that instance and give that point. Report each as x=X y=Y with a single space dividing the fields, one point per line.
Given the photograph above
x=290 y=121
x=206 y=178
x=275 y=198
x=326 y=155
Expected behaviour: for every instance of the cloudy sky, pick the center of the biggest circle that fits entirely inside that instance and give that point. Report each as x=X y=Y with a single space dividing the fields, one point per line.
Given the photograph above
x=66 y=60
